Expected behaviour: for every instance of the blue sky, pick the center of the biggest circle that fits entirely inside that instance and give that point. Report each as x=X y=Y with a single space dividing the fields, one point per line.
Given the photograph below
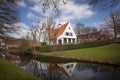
x=30 y=12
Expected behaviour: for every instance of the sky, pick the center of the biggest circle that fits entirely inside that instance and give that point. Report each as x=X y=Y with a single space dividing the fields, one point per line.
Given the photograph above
x=30 y=12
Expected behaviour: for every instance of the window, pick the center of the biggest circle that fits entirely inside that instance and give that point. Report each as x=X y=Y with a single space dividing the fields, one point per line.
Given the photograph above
x=71 y=34
x=65 y=40
x=67 y=34
x=69 y=28
x=67 y=66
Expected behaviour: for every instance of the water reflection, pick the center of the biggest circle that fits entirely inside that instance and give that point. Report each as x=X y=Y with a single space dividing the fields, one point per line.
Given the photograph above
x=72 y=71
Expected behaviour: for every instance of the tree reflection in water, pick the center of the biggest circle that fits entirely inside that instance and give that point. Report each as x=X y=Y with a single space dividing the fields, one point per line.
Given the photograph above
x=72 y=71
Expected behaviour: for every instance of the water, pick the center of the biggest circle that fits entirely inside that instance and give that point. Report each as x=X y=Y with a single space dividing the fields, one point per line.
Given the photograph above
x=72 y=71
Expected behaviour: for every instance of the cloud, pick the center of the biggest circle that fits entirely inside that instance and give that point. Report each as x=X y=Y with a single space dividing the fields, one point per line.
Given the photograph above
x=36 y=8
x=31 y=16
x=85 y=74
x=21 y=3
x=72 y=11
x=22 y=25
x=68 y=12
x=22 y=31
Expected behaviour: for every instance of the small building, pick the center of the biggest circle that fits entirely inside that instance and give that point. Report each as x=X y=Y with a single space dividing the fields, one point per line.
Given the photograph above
x=62 y=35
x=92 y=36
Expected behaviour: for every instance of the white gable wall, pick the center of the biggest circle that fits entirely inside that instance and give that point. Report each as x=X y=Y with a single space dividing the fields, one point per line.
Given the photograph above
x=69 y=29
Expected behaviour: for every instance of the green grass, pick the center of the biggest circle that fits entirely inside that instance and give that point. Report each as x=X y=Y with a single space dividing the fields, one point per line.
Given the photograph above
x=9 y=71
x=104 y=54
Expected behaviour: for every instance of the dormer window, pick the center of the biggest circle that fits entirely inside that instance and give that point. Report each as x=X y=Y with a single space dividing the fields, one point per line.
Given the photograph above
x=69 y=28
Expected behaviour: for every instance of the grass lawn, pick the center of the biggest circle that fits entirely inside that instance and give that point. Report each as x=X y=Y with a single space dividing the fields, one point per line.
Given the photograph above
x=104 y=54
x=9 y=71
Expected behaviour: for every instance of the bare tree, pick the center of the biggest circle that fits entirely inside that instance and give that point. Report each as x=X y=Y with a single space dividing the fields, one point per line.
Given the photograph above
x=33 y=37
x=8 y=16
x=55 y=4
x=105 y=4
x=50 y=28
x=78 y=28
x=33 y=33
x=51 y=4
x=113 y=22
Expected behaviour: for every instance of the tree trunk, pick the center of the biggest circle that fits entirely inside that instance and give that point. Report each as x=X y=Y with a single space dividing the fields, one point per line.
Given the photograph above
x=114 y=25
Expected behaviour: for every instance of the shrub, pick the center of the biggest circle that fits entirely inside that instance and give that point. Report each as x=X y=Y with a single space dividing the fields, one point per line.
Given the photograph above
x=43 y=48
x=51 y=48
x=43 y=43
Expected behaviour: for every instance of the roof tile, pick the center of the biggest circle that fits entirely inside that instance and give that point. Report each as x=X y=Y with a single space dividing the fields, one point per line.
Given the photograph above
x=54 y=33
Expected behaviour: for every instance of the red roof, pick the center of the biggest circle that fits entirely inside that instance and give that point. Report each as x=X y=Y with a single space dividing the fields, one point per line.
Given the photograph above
x=54 y=33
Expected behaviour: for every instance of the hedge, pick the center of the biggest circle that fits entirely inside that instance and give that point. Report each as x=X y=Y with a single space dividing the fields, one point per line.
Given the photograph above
x=51 y=48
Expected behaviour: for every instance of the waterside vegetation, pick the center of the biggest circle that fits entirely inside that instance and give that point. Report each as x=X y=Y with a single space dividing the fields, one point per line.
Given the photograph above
x=9 y=71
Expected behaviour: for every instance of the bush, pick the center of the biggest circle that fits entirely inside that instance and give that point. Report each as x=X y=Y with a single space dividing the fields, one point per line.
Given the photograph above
x=43 y=43
x=51 y=48
x=43 y=48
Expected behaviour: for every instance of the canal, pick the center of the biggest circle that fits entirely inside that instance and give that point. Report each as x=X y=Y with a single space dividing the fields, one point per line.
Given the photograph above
x=51 y=68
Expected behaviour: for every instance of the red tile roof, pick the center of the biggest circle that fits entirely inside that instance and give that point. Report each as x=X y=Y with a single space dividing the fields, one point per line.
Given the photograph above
x=54 y=33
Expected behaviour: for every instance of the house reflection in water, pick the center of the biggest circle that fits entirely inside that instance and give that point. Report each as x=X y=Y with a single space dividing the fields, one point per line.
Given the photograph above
x=72 y=71
x=50 y=71
x=68 y=68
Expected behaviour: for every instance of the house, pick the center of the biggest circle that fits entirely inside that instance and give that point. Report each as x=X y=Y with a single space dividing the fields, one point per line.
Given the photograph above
x=91 y=36
x=62 y=35
x=108 y=34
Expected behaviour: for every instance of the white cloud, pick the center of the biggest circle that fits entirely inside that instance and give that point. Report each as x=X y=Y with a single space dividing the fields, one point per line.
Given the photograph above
x=21 y=3
x=39 y=8
x=72 y=11
x=22 y=30
x=68 y=12
x=31 y=16
x=36 y=8
x=22 y=25
x=96 y=24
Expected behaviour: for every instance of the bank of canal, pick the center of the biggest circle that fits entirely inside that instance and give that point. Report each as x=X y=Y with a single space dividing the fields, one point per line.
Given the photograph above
x=108 y=54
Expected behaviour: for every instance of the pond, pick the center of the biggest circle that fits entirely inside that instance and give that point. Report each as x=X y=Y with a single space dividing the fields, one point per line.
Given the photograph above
x=49 y=68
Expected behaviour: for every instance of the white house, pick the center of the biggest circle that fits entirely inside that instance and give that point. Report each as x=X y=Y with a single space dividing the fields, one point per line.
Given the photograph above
x=62 y=35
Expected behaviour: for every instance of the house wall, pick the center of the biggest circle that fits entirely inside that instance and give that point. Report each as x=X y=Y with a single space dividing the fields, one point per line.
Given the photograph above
x=69 y=31
x=53 y=42
x=71 y=35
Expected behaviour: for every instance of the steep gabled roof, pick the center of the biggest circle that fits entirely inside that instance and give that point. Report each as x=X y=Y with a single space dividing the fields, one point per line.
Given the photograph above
x=54 y=33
